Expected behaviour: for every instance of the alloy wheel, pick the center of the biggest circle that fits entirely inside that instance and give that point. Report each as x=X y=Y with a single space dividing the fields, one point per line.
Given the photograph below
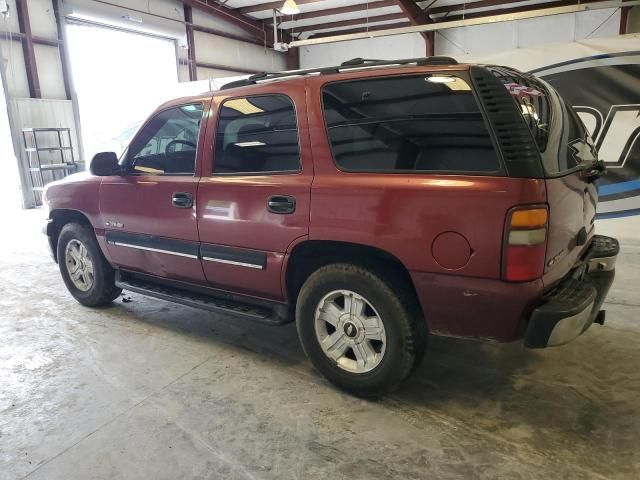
x=350 y=331
x=79 y=265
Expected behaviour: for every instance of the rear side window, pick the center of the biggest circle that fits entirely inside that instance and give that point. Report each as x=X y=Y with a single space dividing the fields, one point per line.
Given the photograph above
x=257 y=135
x=421 y=123
x=559 y=133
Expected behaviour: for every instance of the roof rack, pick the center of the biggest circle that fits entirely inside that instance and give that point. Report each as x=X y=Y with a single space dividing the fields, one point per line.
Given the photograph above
x=352 y=64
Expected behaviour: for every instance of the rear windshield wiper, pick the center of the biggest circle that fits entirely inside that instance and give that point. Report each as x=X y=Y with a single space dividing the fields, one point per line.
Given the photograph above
x=595 y=170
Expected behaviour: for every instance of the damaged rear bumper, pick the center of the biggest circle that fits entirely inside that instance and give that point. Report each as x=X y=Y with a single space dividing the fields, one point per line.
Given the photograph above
x=571 y=308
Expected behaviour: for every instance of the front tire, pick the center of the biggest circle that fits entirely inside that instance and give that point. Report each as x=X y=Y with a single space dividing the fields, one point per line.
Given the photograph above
x=86 y=273
x=357 y=330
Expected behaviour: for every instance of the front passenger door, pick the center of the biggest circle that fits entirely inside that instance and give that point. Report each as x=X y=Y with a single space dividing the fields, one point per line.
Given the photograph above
x=149 y=213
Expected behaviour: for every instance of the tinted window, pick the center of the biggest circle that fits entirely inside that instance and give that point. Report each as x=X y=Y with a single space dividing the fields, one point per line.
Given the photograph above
x=257 y=135
x=167 y=143
x=533 y=101
x=559 y=133
x=427 y=123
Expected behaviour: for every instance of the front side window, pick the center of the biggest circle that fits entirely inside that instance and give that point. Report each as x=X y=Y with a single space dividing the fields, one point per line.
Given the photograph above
x=257 y=135
x=417 y=123
x=167 y=144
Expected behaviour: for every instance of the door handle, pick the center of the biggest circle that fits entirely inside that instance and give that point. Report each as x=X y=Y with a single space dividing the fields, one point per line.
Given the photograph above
x=281 y=204
x=182 y=200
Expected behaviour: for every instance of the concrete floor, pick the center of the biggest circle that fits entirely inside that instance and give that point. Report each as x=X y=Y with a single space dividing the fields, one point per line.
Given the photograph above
x=152 y=390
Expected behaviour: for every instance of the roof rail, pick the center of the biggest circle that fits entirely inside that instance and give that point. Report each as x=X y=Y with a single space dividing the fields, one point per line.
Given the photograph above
x=354 y=63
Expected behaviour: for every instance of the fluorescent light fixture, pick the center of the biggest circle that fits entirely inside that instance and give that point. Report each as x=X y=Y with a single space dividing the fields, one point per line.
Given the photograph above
x=250 y=144
x=440 y=79
x=290 y=8
x=451 y=82
x=243 y=106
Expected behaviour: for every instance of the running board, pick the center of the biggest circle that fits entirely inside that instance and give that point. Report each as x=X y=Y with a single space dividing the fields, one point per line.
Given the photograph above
x=261 y=314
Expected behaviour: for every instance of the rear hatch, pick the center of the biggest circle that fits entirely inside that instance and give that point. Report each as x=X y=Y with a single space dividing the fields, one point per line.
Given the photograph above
x=568 y=160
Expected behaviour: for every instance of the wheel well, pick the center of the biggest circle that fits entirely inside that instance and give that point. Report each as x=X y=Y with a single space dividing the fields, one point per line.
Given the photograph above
x=59 y=218
x=308 y=256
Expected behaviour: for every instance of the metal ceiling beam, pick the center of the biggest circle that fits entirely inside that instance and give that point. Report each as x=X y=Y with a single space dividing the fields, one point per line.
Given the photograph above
x=191 y=44
x=361 y=30
x=62 y=49
x=361 y=7
x=472 y=5
x=413 y=12
x=432 y=27
x=20 y=37
x=249 y=25
x=503 y=11
x=349 y=23
x=28 y=51
x=417 y=16
x=263 y=7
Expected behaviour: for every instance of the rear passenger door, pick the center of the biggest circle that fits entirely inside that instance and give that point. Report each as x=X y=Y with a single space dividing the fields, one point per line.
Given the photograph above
x=253 y=198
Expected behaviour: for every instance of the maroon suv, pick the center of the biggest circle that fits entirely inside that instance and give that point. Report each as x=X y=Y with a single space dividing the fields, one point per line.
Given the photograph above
x=374 y=203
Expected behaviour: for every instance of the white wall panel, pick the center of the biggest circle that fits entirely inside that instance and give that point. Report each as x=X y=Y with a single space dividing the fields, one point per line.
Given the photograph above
x=206 y=20
x=13 y=63
x=50 y=72
x=534 y=31
x=399 y=46
x=210 y=73
x=528 y=33
x=10 y=23
x=43 y=21
x=590 y=23
x=474 y=39
x=39 y=113
x=485 y=38
x=232 y=53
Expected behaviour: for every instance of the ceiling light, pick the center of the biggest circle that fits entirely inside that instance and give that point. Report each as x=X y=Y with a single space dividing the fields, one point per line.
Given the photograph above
x=243 y=106
x=289 y=7
x=452 y=83
x=250 y=144
x=440 y=79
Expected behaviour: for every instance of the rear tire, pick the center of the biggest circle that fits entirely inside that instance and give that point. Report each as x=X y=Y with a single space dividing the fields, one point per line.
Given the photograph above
x=362 y=334
x=86 y=273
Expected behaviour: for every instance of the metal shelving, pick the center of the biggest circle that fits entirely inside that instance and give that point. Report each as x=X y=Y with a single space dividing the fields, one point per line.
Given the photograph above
x=47 y=163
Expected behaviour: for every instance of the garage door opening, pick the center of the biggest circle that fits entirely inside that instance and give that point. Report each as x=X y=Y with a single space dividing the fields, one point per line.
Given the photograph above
x=119 y=78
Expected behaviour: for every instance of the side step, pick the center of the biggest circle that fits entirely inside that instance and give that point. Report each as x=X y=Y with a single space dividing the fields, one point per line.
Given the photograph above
x=261 y=314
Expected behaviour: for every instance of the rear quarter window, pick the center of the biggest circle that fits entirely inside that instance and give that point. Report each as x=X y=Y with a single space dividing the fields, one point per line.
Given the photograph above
x=414 y=123
x=562 y=139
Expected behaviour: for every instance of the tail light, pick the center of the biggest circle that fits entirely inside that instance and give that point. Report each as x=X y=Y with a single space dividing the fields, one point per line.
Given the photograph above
x=525 y=243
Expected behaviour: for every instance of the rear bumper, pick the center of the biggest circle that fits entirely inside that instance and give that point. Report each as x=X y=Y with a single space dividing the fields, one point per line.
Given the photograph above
x=571 y=308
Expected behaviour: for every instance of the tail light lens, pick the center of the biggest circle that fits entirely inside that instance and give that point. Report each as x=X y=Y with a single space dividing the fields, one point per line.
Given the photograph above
x=525 y=243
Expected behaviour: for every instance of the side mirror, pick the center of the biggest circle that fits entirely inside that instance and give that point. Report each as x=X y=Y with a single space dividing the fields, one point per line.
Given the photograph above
x=104 y=164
